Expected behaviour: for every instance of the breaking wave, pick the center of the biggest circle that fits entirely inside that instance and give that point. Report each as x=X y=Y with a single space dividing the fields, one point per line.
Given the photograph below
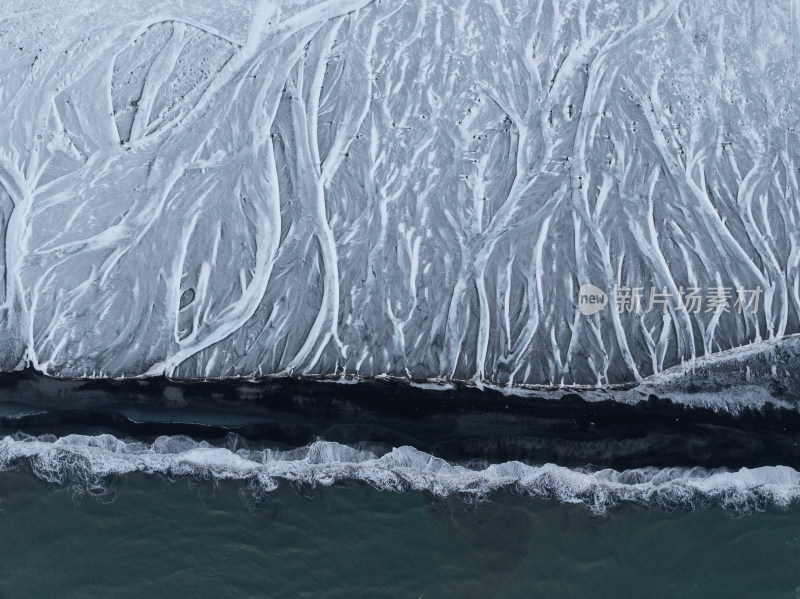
x=91 y=462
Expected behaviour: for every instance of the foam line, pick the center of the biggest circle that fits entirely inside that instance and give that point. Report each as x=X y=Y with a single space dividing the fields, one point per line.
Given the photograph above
x=92 y=461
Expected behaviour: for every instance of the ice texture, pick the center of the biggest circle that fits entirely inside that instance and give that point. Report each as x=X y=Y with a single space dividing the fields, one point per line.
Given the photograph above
x=413 y=188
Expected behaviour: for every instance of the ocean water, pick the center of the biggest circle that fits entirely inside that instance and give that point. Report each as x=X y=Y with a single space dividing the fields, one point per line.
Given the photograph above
x=148 y=536
x=298 y=489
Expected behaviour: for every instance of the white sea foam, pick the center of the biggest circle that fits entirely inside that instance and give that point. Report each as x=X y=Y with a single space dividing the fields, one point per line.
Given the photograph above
x=92 y=462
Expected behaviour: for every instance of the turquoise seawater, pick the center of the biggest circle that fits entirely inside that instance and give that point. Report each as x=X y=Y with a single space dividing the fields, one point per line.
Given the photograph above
x=152 y=537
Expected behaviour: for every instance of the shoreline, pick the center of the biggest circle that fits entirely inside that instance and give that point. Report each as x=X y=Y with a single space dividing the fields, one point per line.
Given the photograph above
x=457 y=424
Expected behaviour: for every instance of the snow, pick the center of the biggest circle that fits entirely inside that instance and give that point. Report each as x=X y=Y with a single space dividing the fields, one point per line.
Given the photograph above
x=412 y=189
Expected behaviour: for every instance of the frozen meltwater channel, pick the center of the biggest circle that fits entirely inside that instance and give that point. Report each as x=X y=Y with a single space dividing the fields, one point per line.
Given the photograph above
x=413 y=188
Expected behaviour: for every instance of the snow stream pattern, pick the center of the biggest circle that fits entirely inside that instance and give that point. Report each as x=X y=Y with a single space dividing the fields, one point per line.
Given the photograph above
x=415 y=188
